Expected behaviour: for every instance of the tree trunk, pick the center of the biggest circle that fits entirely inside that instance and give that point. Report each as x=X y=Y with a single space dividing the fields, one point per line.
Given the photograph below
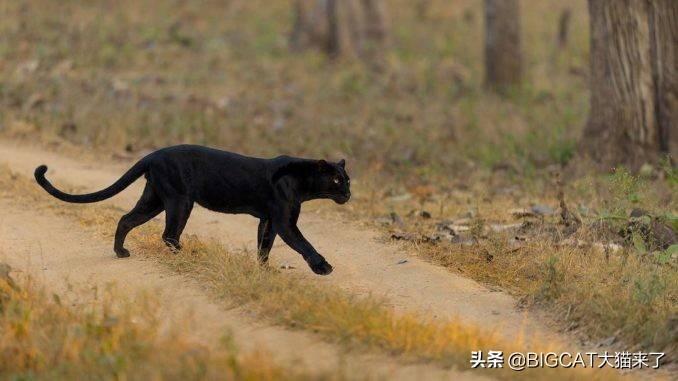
x=503 y=61
x=663 y=18
x=298 y=33
x=564 y=27
x=633 y=81
x=332 y=43
x=347 y=27
x=375 y=28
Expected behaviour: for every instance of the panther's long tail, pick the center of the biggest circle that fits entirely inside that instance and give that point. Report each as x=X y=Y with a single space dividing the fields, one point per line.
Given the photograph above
x=128 y=178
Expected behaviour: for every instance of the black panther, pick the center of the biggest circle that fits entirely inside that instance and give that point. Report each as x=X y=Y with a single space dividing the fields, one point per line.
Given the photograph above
x=271 y=190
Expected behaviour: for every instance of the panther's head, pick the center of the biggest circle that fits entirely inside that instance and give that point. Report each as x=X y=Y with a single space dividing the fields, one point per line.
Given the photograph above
x=333 y=182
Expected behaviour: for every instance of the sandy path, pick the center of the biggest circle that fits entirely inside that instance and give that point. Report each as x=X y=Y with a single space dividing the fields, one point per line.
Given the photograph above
x=60 y=252
x=361 y=263
x=57 y=251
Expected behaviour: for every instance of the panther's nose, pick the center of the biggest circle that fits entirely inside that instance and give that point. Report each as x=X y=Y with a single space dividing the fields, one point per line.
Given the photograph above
x=343 y=198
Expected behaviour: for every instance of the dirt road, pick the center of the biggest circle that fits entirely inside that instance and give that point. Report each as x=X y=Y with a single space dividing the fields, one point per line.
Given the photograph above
x=60 y=253
x=58 y=249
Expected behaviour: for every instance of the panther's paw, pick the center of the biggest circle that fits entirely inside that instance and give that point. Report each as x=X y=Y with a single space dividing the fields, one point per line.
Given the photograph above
x=173 y=244
x=122 y=253
x=321 y=268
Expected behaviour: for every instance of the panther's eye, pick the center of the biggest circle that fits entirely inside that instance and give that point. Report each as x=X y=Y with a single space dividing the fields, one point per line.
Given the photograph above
x=336 y=180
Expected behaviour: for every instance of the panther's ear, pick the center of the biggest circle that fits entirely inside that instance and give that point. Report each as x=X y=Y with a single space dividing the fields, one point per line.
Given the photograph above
x=322 y=165
x=342 y=163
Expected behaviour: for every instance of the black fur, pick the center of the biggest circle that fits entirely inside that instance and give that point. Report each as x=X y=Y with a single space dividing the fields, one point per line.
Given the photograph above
x=271 y=190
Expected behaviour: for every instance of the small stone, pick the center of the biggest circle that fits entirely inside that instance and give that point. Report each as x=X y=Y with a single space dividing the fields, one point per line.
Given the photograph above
x=646 y=171
x=383 y=221
x=400 y=197
x=542 y=210
x=469 y=214
x=464 y=239
x=402 y=236
x=400 y=262
x=421 y=213
x=498 y=228
x=637 y=213
x=392 y=219
x=521 y=213
x=463 y=221
x=607 y=342
x=395 y=218
x=662 y=234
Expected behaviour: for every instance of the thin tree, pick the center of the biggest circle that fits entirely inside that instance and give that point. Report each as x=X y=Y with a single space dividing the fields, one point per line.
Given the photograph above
x=332 y=46
x=564 y=27
x=349 y=27
x=375 y=25
x=503 y=58
x=634 y=88
x=299 y=25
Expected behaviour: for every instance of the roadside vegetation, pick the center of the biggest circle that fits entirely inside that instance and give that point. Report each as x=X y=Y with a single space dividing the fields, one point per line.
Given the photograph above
x=607 y=270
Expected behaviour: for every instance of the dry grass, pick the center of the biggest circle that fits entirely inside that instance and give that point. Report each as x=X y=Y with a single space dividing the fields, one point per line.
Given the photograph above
x=107 y=337
x=125 y=77
x=631 y=298
x=629 y=295
x=298 y=302
x=144 y=74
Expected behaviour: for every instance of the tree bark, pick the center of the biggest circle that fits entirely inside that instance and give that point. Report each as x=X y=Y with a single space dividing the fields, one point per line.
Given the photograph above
x=503 y=59
x=347 y=27
x=564 y=27
x=298 y=33
x=375 y=28
x=633 y=81
x=663 y=18
x=332 y=43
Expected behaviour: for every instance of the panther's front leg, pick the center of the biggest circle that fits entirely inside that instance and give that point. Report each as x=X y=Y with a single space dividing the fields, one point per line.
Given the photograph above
x=284 y=212
x=265 y=238
x=285 y=226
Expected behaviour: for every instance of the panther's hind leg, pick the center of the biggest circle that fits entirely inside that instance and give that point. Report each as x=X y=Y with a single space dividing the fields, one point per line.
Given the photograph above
x=177 y=211
x=265 y=238
x=148 y=206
